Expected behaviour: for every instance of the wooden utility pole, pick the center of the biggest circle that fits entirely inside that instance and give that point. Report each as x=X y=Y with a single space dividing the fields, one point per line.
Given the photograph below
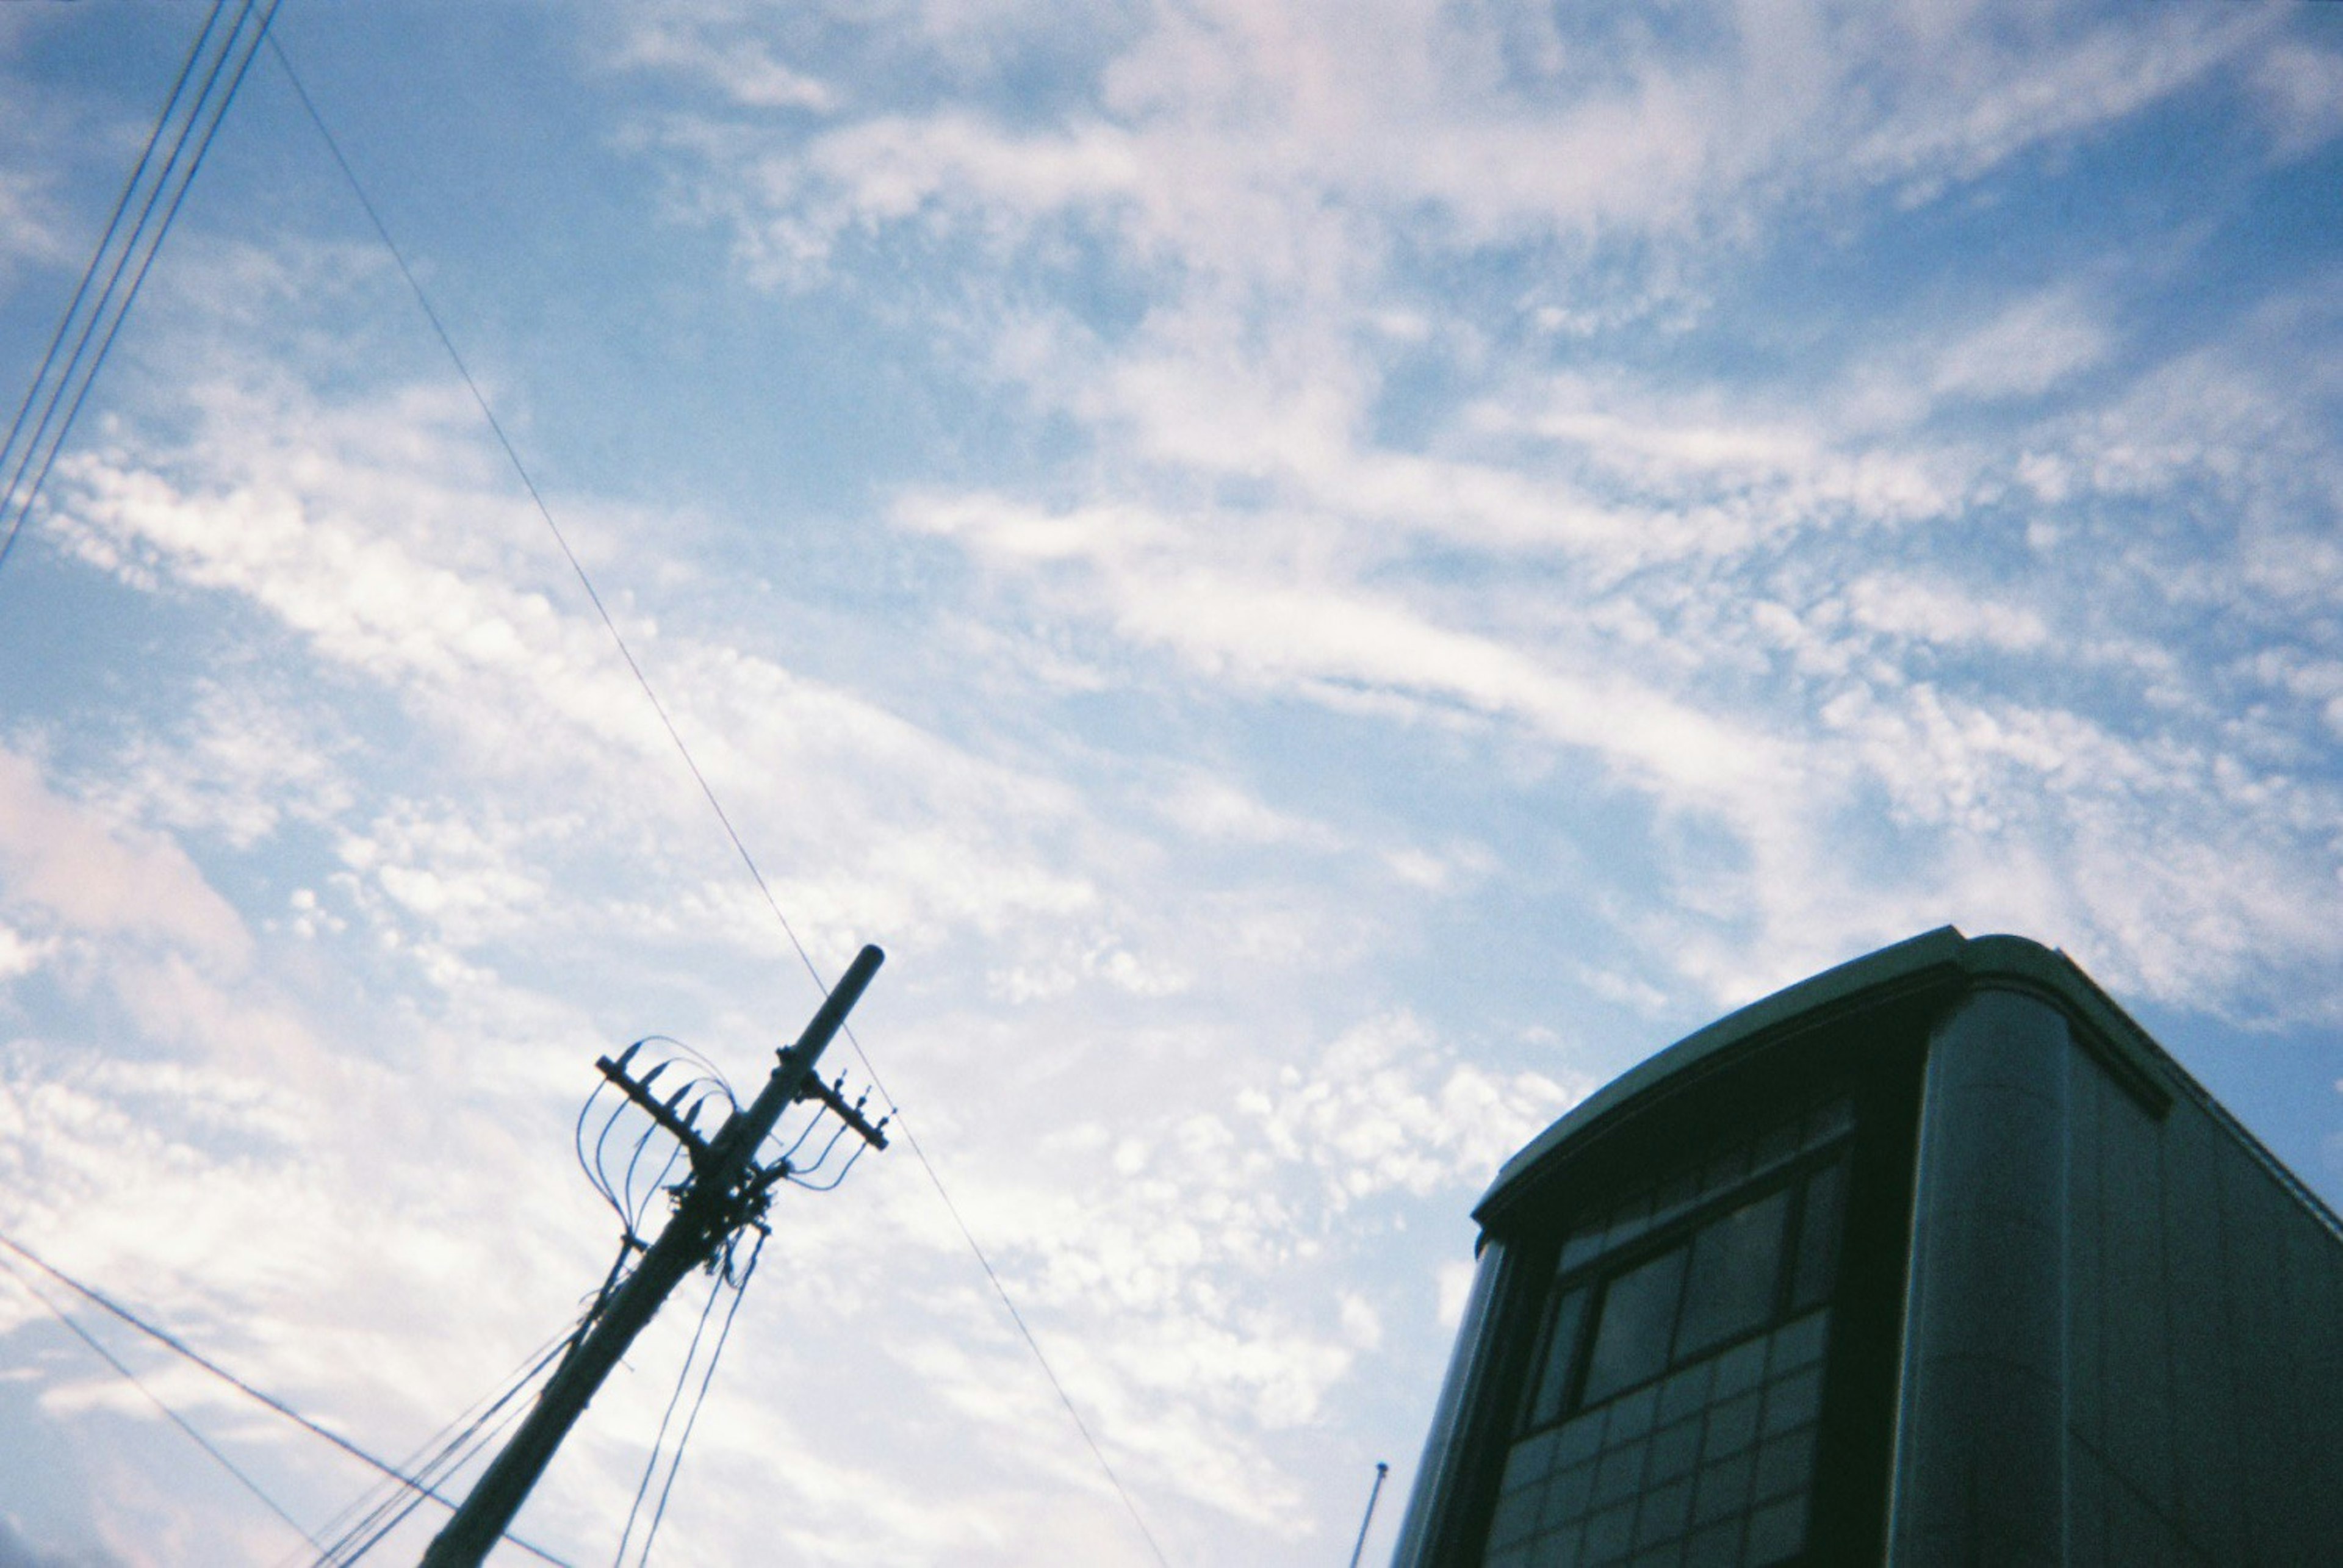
x=725 y=1190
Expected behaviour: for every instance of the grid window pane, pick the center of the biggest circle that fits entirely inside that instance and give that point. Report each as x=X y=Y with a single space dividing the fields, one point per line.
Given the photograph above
x=1797 y=1343
x=1777 y=1531
x=1631 y=1416
x=1619 y=1473
x=1736 y=1264
x=1675 y=1450
x=1718 y=1546
x=1686 y=1393
x=1559 y=1352
x=1785 y=1463
x=1723 y=1488
x=1608 y=1533
x=1794 y=1400
x=1667 y=1414
x=1577 y=1440
x=1559 y=1550
x=1566 y=1499
x=1818 y=1232
x=1516 y=1516
x=1639 y=1314
x=1664 y=1512
x=1738 y=1368
x=1732 y=1426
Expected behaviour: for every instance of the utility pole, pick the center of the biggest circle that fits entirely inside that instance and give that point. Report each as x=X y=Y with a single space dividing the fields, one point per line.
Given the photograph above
x=725 y=1192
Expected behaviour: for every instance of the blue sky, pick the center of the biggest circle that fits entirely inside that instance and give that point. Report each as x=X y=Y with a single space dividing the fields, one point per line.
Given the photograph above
x=1324 y=579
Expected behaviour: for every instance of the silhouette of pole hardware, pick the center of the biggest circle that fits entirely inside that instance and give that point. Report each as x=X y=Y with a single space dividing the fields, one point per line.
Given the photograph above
x=725 y=1190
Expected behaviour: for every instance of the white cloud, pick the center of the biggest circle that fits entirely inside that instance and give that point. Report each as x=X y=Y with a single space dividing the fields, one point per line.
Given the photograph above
x=2026 y=350
x=2302 y=89
x=1371 y=500
x=95 y=877
x=20 y=955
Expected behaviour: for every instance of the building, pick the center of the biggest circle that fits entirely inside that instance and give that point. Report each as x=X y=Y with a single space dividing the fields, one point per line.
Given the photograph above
x=1935 y=1258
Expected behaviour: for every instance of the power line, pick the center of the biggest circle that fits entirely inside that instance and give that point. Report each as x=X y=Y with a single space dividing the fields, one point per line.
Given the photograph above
x=708 y=791
x=692 y=1418
x=108 y=1304
x=177 y=1420
x=103 y=321
x=667 y=1417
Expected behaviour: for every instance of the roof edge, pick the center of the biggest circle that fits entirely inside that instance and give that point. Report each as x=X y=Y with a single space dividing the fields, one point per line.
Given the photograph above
x=1890 y=968
x=2141 y=1065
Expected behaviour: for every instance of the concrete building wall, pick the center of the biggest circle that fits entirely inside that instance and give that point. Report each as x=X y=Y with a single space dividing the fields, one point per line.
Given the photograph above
x=2205 y=1344
x=1979 y=1472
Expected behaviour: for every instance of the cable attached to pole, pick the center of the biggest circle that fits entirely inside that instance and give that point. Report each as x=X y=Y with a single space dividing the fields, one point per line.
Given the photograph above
x=107 y=1304
x=708 y=791
x=134 y=1380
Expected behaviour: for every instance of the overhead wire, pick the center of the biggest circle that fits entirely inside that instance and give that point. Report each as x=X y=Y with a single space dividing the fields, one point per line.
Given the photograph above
x=449 y=1451
x=723 y=1336
x=179 y=1347
x=89 y=273
x=102 y=323
x=218 y=1456
x=707 y=789
x=666 y=1418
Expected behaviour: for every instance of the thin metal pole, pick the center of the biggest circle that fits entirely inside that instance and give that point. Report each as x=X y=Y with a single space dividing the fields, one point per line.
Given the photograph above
x=1381 y=1469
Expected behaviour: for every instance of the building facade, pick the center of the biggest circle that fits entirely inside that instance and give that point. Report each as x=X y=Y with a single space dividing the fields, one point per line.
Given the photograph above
x=1934 y=1259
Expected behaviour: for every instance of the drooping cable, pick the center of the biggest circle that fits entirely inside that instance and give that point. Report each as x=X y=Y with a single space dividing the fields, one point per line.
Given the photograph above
x=723 y=1335
x=205 y=1444
x=21 y=476
x=667 y=1419
x=707 y=791
x=105 y=241
x=441 y=1457
x=106 y=1303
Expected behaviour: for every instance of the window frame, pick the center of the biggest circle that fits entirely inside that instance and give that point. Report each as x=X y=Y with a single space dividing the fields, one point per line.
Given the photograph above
x=1596 y=1275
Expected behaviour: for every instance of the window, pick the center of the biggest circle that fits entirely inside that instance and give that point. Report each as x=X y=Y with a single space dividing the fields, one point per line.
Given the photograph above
x=1722 y=1282
x=1736 y=1268
x=1672 y=1407
x=1639 y=1314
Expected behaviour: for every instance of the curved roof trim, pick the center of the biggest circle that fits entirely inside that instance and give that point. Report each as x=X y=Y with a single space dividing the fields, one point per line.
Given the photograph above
x=1943 y=955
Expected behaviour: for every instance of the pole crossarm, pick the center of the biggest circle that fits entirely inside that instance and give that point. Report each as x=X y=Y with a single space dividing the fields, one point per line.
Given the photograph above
x=638 y=1089
x=851 y=1114
x=726 y=1192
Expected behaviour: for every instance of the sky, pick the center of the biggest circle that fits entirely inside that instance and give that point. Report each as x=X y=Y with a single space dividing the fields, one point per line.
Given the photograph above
x=1324 y=579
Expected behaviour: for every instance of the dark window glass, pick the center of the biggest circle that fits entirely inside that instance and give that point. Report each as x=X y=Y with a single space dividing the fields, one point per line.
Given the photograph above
x=1631 y=1338
x=1818 y=1229
x=1736 y=1265
x=1562 y=1321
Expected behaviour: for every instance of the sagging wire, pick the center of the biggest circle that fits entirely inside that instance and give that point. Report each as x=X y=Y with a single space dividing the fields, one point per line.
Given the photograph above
x=24 y=469
x=795 y=1172
x=134 y=1380
x=629 y=1190
x=180 y=1347
x=440 y=1456
x=715 y=803
x=725 y=1277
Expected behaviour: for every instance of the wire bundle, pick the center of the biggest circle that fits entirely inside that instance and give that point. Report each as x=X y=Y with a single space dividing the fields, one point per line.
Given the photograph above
x=182 y=136
x=628 y=1188
x=403 y=1478
x=369 y=1519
